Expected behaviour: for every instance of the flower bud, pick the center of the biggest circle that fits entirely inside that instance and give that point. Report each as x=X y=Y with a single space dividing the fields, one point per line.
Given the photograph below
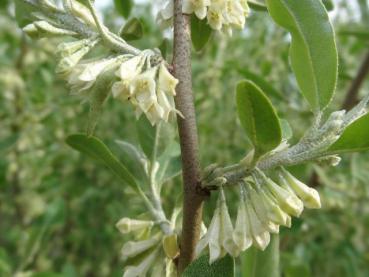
x=46 y=29
x=127 y=225
x=309 y=196
x=170 y=246
x=81 y=11
x=143 y=267
x=261 y=211
x=31 y=31
x=66 y=49
x=133 y=248
x=287 y=201
x=242 y=233
x=260 y=235
x=66 y=64
x=275 y=213
x=226 y=236
x=215 y=250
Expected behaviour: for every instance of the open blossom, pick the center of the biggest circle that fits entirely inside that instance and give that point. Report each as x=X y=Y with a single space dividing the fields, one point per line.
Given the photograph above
x=221 y=15
x=150 y=90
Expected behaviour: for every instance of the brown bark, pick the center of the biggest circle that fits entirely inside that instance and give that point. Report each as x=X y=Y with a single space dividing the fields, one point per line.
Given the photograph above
x=193 y=197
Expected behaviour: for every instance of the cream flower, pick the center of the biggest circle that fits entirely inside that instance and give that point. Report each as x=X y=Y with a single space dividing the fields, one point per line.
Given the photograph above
x=215 y=19
x=286 y=200
x=309 y=196
x=260 y=235
x=143 y=267
x=166 y=81
x=242 y=233
x=127 y=225
x=199 y=7
x=133 y=248
x=219 y=236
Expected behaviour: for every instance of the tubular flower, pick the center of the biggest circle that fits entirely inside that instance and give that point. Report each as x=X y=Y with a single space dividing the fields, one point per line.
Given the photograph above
x=308 y=195
x=219 y=236
x=149 y=90
x=222 y=15
x=127 y=225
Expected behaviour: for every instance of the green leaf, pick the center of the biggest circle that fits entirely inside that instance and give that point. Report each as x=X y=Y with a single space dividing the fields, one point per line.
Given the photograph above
x=163 y=47
x=23 y=12
x=286 y=129
x=257 y=263
x=153 y=139
x=134 y=160
x=257 y=6
x=262 y=83
x=313 y=50
x=355 y=138
x=95 y=148
x=124 y=7
x=258 y=118
x=170 y=163
x=328 y=4
x=200 y=33
x=133 y=30
x=224 y=267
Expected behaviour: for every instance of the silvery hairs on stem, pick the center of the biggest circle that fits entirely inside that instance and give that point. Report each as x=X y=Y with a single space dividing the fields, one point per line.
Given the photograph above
x=138 y=77
x=266 y=204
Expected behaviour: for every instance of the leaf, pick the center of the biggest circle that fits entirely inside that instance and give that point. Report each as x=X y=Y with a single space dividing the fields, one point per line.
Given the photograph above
x=124 y=7
x=95 y=148
x=328 y=4
x=313 y=50
x=23 y=12
x=163 y=47
x=257 y=6
x=200 y=33
x=262 y=83
x=286 y=129
x=224 y=267
x=153 y=140
x=134 y=160
x=258 y=118
x=132 y=30
x=355 y=138
x=170 y=163
x=257 y=263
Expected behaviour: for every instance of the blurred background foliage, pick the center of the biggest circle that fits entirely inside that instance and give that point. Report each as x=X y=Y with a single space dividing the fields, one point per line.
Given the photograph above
x=58 y=209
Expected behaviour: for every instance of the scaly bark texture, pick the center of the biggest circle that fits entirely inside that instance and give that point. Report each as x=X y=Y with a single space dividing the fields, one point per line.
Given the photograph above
x=193 y=197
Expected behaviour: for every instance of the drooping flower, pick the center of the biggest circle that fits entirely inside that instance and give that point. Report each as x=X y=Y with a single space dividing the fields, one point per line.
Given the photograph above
x=219 y=236
x=309 y=196
x=222 y=15
x=199 y=7
x=289 y=202
x=242 y=233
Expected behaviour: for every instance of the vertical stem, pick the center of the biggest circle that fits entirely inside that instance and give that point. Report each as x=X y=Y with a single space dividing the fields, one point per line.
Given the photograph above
x=193 y=198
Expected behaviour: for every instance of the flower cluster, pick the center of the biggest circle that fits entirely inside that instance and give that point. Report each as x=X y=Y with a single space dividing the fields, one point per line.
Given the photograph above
x=221 y=15
x=149 y=88
x=147 y=253
x=264 y=207
x=143 y=77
